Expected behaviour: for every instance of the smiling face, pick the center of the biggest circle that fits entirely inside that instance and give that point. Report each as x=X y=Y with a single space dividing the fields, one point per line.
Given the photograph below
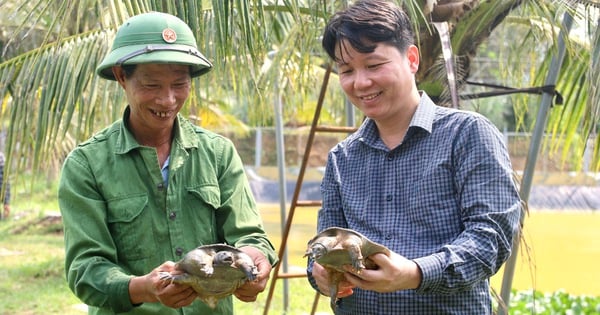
x=155 y=93
x=381 y=83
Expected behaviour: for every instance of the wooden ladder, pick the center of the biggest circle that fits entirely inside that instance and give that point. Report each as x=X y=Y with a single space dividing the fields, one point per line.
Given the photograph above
x=295 y=202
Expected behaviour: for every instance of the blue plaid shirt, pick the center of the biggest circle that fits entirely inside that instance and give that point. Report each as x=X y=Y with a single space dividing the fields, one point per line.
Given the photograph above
x=444 y=198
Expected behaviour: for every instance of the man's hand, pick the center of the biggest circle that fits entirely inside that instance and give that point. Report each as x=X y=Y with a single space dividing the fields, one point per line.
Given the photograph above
x=151 y=288
x=322 y=278
x=250 y=290
x=394 y=273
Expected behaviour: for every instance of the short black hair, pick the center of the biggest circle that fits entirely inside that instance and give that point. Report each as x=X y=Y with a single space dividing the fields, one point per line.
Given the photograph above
x=129 y=69
x=366 y=23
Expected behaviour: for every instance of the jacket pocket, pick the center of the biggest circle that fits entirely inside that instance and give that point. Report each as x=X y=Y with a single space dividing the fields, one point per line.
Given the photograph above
x=130 y=226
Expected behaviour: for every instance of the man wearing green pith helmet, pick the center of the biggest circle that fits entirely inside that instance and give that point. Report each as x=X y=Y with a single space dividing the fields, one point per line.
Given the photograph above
x=152 y=186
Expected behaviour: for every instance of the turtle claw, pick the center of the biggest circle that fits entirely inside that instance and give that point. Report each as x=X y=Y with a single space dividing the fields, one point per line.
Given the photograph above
x=166 y=276
x=163 y=275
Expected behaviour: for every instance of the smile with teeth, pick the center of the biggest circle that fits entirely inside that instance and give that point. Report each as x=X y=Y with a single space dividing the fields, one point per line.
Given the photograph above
x=370 y=97
x=160 y=114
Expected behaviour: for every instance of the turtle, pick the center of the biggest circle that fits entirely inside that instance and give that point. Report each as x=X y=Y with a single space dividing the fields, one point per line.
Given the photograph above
x=335 y=247
x=214 y=271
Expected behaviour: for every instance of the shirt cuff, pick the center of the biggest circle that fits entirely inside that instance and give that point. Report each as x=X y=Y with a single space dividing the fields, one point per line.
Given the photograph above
x=120 y=300
x=431 y=270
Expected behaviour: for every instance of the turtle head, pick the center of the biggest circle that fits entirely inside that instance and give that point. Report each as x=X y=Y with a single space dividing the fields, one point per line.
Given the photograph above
x=316 y=251
x=223 y=258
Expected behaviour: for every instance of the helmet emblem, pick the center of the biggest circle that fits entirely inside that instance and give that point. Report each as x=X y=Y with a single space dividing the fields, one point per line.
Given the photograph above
x=169 y=35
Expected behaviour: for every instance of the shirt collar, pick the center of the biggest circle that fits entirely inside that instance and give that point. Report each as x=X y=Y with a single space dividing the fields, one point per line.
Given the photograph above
x=424 y=115
x=421 y=120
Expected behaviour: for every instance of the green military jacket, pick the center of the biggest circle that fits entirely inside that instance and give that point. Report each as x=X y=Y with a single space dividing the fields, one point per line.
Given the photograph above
x=122 y=220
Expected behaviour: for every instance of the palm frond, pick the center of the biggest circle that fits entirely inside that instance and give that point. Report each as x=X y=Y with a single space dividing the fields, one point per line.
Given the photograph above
x=591 y=126
x=50 y=93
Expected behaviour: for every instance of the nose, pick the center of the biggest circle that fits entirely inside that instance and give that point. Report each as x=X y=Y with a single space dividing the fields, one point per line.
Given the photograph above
x=166 y=97
x=361 y=79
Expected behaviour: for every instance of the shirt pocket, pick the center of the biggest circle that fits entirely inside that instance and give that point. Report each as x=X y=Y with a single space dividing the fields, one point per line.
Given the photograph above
x=200 y=211
x=209 y=195
x=129 y=226
x=358 y=205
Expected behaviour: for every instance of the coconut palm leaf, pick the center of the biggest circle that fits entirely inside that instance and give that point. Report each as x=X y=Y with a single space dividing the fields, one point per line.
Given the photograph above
x=590 y=125
x=51 y=98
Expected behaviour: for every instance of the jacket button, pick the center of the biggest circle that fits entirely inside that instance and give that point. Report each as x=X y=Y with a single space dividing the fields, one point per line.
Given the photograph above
x=179 y=251
x=172 y=215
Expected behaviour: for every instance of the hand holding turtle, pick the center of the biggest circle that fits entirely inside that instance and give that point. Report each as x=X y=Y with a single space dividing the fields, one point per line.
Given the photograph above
x=250 y=290
x=393 y=273
x=214 y=272
x=336 y=248
x=151 y=288
x=322 y=278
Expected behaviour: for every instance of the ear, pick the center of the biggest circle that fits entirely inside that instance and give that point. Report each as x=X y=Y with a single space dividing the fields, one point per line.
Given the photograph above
x=412 y=54
x=119 y=74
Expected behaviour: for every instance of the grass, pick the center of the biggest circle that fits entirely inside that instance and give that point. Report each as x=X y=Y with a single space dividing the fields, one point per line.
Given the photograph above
x=32 y=277
x=556 y=272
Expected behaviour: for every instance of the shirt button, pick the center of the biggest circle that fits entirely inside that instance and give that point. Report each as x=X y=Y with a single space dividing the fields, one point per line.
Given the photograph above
x=389 y=237
x=389 y=197
x=390 y=157
x=179 y=251
x=172 y=215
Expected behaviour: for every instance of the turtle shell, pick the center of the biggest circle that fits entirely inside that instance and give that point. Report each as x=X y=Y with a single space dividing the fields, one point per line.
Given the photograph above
x=214 y=271
x=335 y=247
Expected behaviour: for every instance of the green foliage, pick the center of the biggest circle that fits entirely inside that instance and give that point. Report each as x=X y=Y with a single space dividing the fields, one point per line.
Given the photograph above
x=560 y=302
x=263 y=51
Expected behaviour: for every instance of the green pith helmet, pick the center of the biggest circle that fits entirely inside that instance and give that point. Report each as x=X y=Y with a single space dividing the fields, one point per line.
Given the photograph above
x=154 y=38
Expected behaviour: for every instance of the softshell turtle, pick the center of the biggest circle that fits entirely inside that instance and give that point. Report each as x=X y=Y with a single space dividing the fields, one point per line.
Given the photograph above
x=214 y=271
x=335 y=247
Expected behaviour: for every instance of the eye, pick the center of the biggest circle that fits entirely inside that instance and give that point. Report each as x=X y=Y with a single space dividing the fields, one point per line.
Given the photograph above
x=182 y=85
x=374 y=66
x=147 y=84
x=151 y=86
x=344 y=70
